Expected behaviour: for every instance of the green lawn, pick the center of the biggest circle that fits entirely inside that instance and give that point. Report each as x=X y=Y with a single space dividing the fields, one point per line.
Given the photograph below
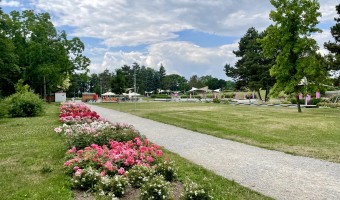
x=313 y=133
x=31 y=158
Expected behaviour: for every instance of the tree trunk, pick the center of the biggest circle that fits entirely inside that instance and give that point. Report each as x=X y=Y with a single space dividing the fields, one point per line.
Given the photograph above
x=259 y=94
x=298 y=103
x=266 y=95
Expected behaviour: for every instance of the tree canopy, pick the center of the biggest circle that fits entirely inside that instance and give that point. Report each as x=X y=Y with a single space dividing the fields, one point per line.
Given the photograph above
x=36 y=52
x=334 y=47
x=288 y=39
x=252 y=69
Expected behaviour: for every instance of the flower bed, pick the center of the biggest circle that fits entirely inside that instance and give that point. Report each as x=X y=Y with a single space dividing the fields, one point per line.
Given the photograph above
x=108 y=158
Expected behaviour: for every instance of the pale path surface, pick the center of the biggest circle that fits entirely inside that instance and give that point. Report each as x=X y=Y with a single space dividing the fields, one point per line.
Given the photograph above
x=272 y=173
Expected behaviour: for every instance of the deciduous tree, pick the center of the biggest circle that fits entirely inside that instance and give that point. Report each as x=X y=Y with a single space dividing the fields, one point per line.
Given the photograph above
x=288 y=39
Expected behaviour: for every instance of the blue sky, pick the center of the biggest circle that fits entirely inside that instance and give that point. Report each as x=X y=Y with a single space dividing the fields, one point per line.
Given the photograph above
x=189 y=37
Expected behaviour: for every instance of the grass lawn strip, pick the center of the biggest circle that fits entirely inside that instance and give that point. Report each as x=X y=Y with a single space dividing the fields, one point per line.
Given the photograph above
x=32 y=157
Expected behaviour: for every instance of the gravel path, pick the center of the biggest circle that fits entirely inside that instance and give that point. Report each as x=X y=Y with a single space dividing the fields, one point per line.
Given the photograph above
x=272 y=173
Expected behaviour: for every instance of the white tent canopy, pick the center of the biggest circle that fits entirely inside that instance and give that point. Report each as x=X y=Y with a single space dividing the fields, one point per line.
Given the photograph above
x=108 y=94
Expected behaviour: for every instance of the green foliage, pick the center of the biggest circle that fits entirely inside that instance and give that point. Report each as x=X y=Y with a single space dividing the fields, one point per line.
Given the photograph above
x=139 y=174
x=86 y=179
x=156 y=188
x=161 y=96
x=112 y=186
x=314 y=101
x=216 y=100
x=33 y=50
x=288 y=39
x=118 y=82
x=252 y=69
x=193 y=191
x=167 y=169
x=3 y=108
x=334 y=47
x=24 y=104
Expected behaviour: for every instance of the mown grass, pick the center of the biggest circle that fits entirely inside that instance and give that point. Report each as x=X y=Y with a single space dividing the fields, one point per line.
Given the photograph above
x=313 y=133
x=31 y=158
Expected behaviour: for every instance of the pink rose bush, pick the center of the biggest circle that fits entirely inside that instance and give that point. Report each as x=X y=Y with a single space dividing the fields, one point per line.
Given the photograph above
x=72 y=113
x=82 y=127
x=116 y=158
x=101 y=154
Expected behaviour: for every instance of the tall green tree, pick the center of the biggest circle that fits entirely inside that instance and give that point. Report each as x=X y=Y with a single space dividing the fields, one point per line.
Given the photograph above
x=334 y=47
x=10 y=72
x=118 y=82
x=105 y=81
x=288 y=39
x=252 y=69
x=161 y=75
x=46 y=58
x=195 y=81
x=174 y=82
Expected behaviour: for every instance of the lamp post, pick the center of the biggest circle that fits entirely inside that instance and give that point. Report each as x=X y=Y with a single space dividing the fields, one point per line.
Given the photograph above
x=134 y=87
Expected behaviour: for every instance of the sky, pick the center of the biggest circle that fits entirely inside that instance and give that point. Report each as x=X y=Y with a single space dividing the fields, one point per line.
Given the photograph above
x=188 y=37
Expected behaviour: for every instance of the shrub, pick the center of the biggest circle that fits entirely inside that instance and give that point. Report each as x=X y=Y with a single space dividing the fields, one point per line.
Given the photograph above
x=293 y=101
x=193 y=191
x=314 y=101
x=114 y=187
x=216 y=100
x=161 y=96
x=167 y=169
x=85 y=179
x=3 y=108
x=139 y=174
x=24 y=104
x=156 y=188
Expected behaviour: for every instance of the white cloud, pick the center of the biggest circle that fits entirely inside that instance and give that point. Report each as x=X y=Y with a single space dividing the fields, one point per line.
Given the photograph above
x=10 y=3
x=321 y=38
x=182 y=58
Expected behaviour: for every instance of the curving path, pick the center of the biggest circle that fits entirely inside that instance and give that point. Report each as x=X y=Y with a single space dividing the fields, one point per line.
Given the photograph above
x=272 y=173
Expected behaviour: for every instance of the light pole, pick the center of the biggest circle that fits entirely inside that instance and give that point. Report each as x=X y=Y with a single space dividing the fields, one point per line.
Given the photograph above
x=134 y=87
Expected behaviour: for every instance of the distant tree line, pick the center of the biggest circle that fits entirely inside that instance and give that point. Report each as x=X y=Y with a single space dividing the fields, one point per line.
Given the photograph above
x=147 y=80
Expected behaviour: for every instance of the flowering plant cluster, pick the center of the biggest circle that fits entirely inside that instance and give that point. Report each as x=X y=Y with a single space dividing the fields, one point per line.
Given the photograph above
x=83 y=127
x=72 y=113
x=194 y=191
x=114 y=159
x=106 y=157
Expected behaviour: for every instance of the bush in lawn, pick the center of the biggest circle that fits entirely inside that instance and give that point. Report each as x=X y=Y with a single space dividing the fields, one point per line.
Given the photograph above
x=193 y=191
x=161 y=96
x=24 y=104
x=3 y=108
x=293 y=101
x=314 y=101
x=156 y=188
x=139 y=174
x=167 y=169
x=113 y=187
x=216 y=100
